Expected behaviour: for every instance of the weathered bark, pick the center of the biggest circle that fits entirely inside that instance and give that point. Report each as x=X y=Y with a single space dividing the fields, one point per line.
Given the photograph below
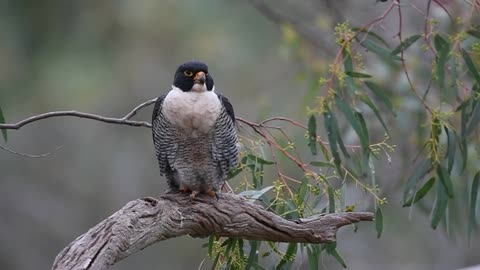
x=143 y=222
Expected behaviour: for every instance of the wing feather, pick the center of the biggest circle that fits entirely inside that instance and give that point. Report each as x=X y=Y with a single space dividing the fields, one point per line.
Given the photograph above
x=225 y=149
x=163 y=139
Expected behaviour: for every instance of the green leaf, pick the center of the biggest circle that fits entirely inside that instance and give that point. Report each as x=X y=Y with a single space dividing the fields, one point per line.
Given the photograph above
x=2 y=121
x=474 y=33
x=253 y=256
x=322 y=164
x=336 y=132
x=451 y=148
x=463 y=147
x=471 y=66
x=312 y=134
x=240 y=247
x=332 y=139
x=215 y=261
x=356 y=123
x=445 y=180
x=354 y=74
x=379 y=221
x=379 y=93
x=366 y=137
x=380 y=51
x=302 y=192
x=255 y=194
x=260 y=160
x=348 y=66
x=231 y=245
x=371 y=34
x=442 y=47
x=453 y=85
x=464 y=104
x=405 y=44
x=440 y=207
x=211 y=240
x=313 y=256
x=367 y=101
x=233 y=172
x=289 y=255
x=474 y=120
x=331 y=200
x=473 y=203
x=418 y=173
x=440 y=43
x=420 y=193
x=332 y=250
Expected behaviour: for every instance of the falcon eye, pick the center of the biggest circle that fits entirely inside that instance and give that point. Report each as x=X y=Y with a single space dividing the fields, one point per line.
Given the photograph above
x=188 y=73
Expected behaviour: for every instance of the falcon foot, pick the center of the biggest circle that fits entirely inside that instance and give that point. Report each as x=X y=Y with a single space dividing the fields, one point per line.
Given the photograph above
x=184 y=189
x=212 y=194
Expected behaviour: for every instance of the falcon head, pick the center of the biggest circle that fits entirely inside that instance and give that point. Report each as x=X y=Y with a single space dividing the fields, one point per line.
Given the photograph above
x=193 y=76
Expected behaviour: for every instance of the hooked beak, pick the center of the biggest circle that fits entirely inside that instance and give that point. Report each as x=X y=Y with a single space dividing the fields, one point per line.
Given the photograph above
x=199 y=78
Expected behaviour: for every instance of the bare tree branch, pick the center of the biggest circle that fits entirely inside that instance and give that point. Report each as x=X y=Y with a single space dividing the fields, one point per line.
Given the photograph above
x=120 y=121
x=144 y=222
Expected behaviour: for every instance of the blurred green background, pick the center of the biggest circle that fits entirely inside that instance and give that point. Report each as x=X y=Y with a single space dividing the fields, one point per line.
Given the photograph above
x=106 y=57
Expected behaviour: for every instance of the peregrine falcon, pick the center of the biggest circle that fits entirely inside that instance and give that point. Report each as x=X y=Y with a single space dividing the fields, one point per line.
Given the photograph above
x=194 y=132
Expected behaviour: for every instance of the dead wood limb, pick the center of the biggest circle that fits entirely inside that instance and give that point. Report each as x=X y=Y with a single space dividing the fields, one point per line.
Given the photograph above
x=146 y=221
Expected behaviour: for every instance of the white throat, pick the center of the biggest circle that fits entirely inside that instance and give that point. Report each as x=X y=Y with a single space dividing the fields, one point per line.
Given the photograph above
x=194 y=112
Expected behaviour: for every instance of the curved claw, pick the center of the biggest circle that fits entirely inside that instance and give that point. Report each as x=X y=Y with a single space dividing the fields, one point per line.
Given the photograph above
x=193 y=194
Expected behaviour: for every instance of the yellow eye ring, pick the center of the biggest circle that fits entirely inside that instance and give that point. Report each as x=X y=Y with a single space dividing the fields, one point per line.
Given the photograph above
x=188 y=73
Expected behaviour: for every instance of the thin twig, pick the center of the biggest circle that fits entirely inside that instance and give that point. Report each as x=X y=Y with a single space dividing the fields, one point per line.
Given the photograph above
x=28 y=155
x=403 y=62
x=139 y=107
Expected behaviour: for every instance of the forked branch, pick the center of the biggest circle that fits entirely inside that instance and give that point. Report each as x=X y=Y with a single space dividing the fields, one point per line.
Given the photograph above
x=144 y=222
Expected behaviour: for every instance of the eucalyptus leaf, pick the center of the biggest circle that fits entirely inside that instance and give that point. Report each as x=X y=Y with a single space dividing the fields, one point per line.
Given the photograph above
x=379 y=93
x=322 y=164
x=405 y=44
x=332 y=250
x=253 y=256
x=371 y=34
x=473 y=203
x=440 y=206
x=332 y=139
x=451 y=148
x=367 y=101
x=2 y=121
x=259 y=160
x=419 y=172
x=356 y=123
x=471 y=66
x=255 y=194
x=331 y=200
x=289 y=255
x=420 y=193
x=379 y=221
x=348 y=66
x=474 y=120
x=474 y=33
x=445 y=180
x=443 y=48
x=312 y=134
x=354 y=74
x=378 y=50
